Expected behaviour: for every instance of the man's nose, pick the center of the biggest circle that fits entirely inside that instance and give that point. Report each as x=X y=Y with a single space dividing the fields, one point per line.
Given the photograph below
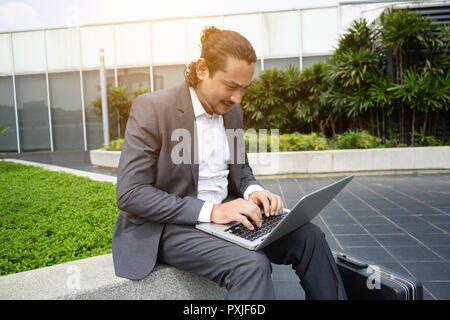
x=237 y=97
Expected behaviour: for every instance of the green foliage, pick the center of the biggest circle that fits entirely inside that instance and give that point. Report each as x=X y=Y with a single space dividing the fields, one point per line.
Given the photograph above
x=119 y=103
x=286 y=142
x=269 y=101
x=48 y=218
x=114 y=145
x=3 y=129
x=384 y=77
x=355 y=67
x=302 y=142
x=357 y=140
x=426 y=141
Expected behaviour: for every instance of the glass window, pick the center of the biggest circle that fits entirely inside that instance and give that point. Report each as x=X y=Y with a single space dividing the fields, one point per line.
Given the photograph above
x=33 y=112
x=94 y=124
x=6 y=66
x=63 y=49
x=281 y=63
x=67 y=120
x=134 y=78
x=281 y=34
x=195 y=28
x=249 y=25
x=94 y=38
x=319 y=30
x=169 y=42
x=29 y=51
x=168 y=76
x=312 y=60
x=8 y=140
x=133 y=44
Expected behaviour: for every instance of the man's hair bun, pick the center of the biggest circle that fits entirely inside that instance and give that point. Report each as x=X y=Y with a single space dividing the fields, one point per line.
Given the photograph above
x=207 y=32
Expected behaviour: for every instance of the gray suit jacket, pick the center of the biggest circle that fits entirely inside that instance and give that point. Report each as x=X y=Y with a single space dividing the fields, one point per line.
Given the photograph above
x=151 y=189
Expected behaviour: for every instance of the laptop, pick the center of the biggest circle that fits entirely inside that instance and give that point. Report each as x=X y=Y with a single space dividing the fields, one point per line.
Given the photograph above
x=275 y=227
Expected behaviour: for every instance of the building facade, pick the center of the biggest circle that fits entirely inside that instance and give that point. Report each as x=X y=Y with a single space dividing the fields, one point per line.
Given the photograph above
x=49 y=78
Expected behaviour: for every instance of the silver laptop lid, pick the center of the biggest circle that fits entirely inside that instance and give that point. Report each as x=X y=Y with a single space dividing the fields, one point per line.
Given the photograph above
x=305 y=210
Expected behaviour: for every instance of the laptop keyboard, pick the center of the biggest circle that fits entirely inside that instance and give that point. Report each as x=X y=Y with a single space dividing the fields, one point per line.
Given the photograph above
x=267 y=224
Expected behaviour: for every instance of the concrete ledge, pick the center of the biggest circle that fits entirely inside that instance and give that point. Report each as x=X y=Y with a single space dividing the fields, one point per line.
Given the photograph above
x=109 y=159
x=328 y=161
x=81 y=173
x=94 y=278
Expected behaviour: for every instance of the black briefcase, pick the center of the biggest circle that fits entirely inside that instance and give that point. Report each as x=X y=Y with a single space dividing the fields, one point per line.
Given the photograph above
x=367 y=281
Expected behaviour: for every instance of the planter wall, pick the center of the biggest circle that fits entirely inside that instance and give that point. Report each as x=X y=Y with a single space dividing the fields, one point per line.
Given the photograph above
x=328 y=161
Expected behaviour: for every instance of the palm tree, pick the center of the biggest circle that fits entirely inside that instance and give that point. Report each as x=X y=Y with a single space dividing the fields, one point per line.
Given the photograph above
x=410 y=39
x=356 y=65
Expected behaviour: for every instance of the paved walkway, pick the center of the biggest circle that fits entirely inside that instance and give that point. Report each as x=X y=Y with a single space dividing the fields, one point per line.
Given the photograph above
x=400 y=221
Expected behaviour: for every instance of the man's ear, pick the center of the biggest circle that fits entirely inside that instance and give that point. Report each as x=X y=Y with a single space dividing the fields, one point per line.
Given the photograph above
x=201 y=69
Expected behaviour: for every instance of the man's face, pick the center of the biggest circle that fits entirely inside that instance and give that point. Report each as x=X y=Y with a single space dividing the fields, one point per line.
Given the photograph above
x=224 y=88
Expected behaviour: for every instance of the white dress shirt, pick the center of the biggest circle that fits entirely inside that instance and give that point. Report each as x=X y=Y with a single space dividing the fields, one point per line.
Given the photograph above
x=213 y=154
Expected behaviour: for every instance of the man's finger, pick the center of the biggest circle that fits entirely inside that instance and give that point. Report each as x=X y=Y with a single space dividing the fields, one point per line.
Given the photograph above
x=273 y=204
x=265 y=202
x=243 y=219
x=253 y=212
x=280 y=204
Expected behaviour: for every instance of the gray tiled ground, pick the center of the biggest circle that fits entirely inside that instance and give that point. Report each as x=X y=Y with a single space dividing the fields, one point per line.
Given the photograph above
x=398 y=221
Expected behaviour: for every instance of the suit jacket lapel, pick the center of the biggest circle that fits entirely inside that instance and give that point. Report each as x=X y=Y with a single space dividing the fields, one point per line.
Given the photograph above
x=186 y=119
x=230 y=121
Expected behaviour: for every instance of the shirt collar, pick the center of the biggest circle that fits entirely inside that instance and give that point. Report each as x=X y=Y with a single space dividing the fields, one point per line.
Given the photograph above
x=198 y=108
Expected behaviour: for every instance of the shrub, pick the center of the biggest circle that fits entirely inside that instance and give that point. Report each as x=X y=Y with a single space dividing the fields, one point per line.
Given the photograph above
x=357 y=140
x=302 y=142
x=114 y=145
x=293 y=142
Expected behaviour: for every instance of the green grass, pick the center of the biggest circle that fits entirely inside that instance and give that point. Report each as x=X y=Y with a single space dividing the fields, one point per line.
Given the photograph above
x=49 y=217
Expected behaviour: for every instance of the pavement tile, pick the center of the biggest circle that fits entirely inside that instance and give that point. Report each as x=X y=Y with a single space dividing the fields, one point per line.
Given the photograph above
x=393 y=240
x=429 y=270
x=357 y=241
x=443 y=251
x=440 y=290
x=363 y=213
x=437 y=218
x=420 y=228
x=443 y=226
x=288 y=290
x=408 y=219
x=372 y=220
x=342 y=229
x=413 y=253
x=433 y=239
x=423 y=211
x=380 y=229
x=394 y=212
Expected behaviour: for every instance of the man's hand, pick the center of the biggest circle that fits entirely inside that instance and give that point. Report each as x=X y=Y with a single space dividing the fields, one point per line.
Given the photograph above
x=272 y=203
x=237 y=210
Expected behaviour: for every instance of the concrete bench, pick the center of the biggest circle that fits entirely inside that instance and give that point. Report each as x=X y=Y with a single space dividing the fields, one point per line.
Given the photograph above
x=94 y=278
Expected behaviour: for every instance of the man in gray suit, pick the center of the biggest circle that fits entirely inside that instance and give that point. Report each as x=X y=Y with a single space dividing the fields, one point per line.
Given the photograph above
x=161 y=198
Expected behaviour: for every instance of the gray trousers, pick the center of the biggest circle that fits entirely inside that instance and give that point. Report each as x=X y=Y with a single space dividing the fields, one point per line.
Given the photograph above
x=247 y=274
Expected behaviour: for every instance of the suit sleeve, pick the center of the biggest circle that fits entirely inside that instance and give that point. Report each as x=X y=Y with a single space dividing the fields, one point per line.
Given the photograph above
x=136 y=193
